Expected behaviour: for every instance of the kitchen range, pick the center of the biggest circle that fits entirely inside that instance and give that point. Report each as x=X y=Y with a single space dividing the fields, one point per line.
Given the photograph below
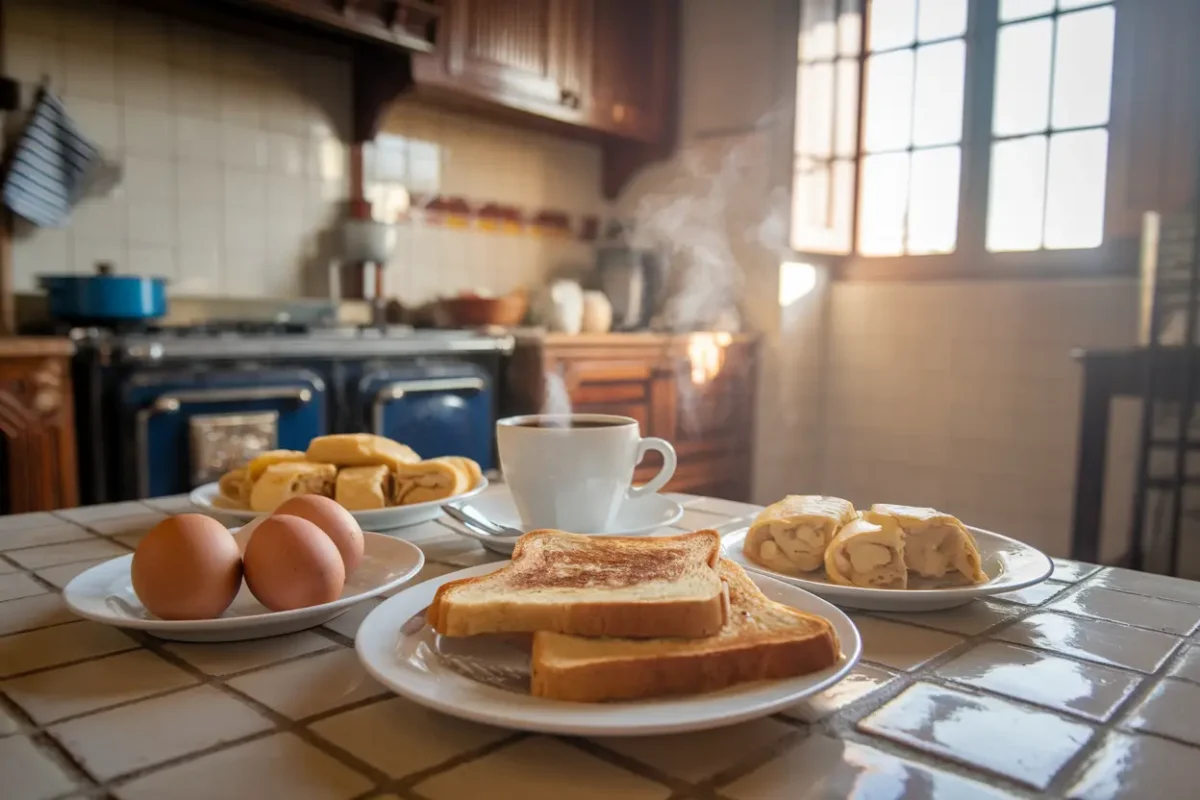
x=163 y=409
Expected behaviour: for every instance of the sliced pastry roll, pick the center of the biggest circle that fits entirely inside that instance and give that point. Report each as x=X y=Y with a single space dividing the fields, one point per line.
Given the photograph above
x=868 y=554
x=258 y=465
x=282 y=481
x=791 y=535
x=428 y=480
x=467 y=465
x=936 y=545
x=235 y=489
x=360 y=450
x=364 y=488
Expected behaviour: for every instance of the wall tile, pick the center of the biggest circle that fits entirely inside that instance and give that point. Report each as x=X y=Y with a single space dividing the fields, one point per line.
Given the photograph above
x=149 y=132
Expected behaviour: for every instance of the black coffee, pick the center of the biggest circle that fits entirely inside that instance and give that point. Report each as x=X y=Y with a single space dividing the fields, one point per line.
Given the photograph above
x=564 y=424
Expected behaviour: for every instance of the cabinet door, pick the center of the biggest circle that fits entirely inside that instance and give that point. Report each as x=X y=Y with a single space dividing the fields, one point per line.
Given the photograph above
x=526 y=54
x=37 y=435
x=633 y=45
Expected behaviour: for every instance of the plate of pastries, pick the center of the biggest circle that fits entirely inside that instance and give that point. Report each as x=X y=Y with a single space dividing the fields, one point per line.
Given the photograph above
x=886 y=558
x=608 y=635
x=381 y=482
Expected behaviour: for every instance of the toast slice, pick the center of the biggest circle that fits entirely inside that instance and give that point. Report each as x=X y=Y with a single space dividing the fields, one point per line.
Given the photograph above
x=762 y=640
x=639 y=587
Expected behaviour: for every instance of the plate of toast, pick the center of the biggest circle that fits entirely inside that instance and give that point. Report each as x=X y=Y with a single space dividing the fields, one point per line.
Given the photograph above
x=382 y=482
x=887 y=558
x=589 y=635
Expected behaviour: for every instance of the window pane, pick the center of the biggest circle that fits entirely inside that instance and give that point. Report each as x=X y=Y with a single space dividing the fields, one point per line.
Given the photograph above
x=1083 y=68
x=814 y=118
x=1022 y=78
x=941 y=19
x=810 y=195
x=1017 y=194
x=893 y=23
x=882 y=202
x=939 y=94
x=933 y=201
x=850 y=28
x=818 y=29
x=846 y=131
x=889 y=89
x=1075 y=189
x=1020 y=9
x=1066 y=5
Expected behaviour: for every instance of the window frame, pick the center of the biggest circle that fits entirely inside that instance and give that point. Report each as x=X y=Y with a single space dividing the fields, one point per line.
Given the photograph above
x=1116 y=256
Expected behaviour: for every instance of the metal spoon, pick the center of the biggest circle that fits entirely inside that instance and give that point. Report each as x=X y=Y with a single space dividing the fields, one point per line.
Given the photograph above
x=477 y=522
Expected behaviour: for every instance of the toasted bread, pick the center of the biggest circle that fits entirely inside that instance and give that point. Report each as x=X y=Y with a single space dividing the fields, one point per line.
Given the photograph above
x=359 y=450
x=592 y=586
x=762 y=640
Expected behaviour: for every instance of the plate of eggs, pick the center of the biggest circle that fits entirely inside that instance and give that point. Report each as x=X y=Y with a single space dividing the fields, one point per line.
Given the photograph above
x=193 y=580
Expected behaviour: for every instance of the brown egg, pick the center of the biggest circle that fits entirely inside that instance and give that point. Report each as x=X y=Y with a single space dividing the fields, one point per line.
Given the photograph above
x=290 y=563
x=187 y=567
x=337 y=522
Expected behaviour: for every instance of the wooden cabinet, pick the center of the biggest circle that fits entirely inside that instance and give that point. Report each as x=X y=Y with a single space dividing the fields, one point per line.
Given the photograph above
x=37 y=431
x=404 y=23
x=697 y=392
x=632 y=91
x=530 y=55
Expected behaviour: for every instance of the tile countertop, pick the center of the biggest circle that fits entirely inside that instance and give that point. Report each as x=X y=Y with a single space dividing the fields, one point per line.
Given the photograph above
x=1085 y=686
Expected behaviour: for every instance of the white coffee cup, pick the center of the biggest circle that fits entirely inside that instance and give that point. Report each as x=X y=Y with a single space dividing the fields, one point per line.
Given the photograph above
x=573 y=471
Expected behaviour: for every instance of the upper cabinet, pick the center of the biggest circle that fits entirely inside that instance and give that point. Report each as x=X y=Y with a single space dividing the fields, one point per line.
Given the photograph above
x=406 y=23
x=529 y=55
x=631 y=77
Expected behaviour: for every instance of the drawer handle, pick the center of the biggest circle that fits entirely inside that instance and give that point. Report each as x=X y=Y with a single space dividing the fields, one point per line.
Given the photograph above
x=396 y=390
x=172 y=403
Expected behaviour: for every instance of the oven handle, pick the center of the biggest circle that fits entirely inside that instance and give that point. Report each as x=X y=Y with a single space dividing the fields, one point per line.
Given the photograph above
x=171 y=403
x=397 y=389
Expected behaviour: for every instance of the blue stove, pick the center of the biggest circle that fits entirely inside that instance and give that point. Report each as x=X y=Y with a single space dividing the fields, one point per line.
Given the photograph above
x=161 y=411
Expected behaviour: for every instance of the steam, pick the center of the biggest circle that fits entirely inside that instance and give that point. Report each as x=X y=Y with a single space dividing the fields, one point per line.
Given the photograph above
x=555 y=400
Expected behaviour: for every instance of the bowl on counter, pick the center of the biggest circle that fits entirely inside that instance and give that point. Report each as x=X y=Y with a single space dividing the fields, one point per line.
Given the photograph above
x=474 y=311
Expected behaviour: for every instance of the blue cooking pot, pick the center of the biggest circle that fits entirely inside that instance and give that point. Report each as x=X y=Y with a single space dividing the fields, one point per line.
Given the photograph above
x=104 y=297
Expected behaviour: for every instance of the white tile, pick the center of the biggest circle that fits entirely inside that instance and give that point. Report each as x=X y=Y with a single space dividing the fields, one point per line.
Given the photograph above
x=149 y=132
x=902 y=647
x=85 y=514
x=1145 y=612
x=8 y=724
x=347 y=624
x=1093 y=640
x=1090 y=690
x=226 y=658
x=970 y=619
x=99 y=120
x=1150 y=585
x=16 y=585
x=1170 y=710
x=286 y=154
x=820 y=767
x=144 y=84
x=982 y=732
x=173 y=504
x=243 y=147
x=1034 y=595
x=539 y=769
x=241 y=103
x=312 y=685
x=1072 y=571
x=20 y=522
x=29 y=774
x=264 y=768
x=130 y=524
x=149 y=180
x=862 y=681
x=195 y=93
x=157 y=730
x=54 y=532
x=198 y=139
x=1188 y=666
x=398 y=737
x=60 y=644
x=89 y=252
x=56 y=694
x=51 y=555
x=152 y=224
x=31 y=613
x=7 y=568
x=89 y=71
x=1136 y=767
x=99 y=219
x=198 y=187
x=696 y=756
x=200 y=271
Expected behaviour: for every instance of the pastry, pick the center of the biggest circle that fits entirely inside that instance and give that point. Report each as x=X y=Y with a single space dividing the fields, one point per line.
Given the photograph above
x=281 y=481
x=259 y=463
x=235 y=489
x=936 y=545
x=468 y=466
x=364 y=488
x=868 y=554
x=360 y=450
x=791 y=536
x=426 y=481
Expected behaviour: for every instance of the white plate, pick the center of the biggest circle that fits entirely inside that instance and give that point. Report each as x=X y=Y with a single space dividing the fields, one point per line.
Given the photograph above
x=401 y=653
x=636 y=517
x=382 y=519
x=105 y=594
x=1010 y=565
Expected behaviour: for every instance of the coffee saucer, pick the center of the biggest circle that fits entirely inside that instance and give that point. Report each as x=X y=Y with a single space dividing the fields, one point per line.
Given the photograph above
x=636 y=517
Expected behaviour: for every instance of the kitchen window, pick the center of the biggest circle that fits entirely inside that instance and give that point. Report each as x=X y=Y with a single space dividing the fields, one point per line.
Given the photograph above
x=945 y=136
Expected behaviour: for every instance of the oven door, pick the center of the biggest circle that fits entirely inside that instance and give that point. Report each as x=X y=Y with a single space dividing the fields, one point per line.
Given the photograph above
x=188 y=428
x=437 y=410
